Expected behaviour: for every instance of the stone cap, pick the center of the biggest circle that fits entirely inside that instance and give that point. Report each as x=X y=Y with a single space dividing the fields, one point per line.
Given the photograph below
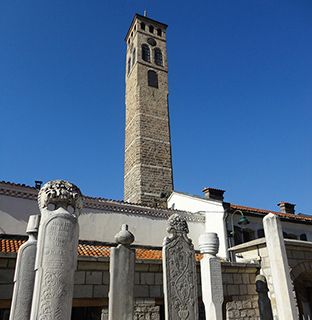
x=33 y=224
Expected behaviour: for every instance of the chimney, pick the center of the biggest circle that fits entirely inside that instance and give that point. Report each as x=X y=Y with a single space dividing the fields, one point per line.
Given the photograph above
x=286 y=207
x=213 y=194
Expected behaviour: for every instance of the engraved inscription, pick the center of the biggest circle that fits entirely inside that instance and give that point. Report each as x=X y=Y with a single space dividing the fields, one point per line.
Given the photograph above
x=179 y=272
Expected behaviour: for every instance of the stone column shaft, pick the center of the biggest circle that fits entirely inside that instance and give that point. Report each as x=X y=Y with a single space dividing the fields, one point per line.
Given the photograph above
x=211 y=276
x=121 y=287
x=282 y=284
x=24 y=276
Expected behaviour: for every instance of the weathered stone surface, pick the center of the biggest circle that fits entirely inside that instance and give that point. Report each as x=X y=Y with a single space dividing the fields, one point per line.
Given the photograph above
x=264 y=302
x=121 y=289
x=179 y=272
x=24 y=277
x=282 y=284
x=60 y=203
x=211 y=276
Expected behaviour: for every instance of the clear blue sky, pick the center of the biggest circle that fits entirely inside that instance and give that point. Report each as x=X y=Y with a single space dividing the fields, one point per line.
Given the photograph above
x=240 y=80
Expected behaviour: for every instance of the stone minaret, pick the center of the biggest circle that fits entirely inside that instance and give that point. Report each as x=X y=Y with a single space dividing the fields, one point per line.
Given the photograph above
x=148 y=165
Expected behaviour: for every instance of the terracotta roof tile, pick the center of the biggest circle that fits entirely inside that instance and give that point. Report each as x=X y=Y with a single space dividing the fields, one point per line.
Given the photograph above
x=290 y=216
x=89 y=250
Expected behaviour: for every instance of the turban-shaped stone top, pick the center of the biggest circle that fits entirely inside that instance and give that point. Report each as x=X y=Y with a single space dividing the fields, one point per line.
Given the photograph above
x=177 y=224
x=61 y=193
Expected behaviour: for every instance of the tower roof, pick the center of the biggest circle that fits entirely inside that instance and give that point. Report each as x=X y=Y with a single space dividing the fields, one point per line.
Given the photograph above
x=147 y=20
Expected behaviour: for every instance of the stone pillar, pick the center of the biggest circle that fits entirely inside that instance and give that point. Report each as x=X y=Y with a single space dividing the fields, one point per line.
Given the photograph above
x=282 y=285
x=264 y=302
x=179 y=272
x=60 y=203
x=211 y=276
x=121 y=286
x=24 y=276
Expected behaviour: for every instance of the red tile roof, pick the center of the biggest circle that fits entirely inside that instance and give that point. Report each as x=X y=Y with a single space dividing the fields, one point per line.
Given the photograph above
x=289 y=216
x=89 y=250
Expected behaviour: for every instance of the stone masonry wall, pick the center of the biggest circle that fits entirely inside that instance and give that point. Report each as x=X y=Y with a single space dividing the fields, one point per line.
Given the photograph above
x=148 y=166
x=92 y=284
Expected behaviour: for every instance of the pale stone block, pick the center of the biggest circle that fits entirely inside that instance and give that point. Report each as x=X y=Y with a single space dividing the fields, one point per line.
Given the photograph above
x=158 y=278
x=105 y=277
x=156 y=291
x=147 y=278
x=83 y=291
x=3 y=263
x=141 y=291
x=80 y=277
x=237 y=278
x=94 y=277
x=100 y=291
x=6 y=291
x=6 y=276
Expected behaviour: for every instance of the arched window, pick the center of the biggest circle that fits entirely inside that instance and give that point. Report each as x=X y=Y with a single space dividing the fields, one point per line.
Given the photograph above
x=129 y=65
x=142 y=25
x=133 y=56
x=151 y=29
x=152 y=78
x=159 y=33
x=146 y=55
x=158 y=57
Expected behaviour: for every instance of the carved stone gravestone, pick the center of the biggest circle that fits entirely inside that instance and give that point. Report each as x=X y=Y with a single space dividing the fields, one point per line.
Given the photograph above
x=24 y=276
x=179 y=272
x=121 y=269
x=60 y=203
x=211 y=276
x=264 y=301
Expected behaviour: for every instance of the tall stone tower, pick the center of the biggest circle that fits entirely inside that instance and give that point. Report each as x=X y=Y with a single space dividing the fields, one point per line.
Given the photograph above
x=148 y=166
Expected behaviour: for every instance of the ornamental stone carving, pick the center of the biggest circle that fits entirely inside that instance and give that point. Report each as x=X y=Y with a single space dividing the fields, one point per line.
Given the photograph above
x=179 y=272
x=60 y=193
x=56 y=257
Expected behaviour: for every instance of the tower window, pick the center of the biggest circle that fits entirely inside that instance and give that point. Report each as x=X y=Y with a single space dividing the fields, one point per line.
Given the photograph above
x=146 y=55
x=129 y=65
x=151 y=29
x=158 y=57
x=142 y=25
x=159 y=33
x=152 y=79
x=133 y=56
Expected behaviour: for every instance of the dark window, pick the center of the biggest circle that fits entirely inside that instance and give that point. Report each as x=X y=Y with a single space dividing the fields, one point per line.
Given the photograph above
x=158 y=57
x=151 y=29
x=142 y=25
x=159 y=33
x=152 y=79
x=129 y=65
x=146 y=55
x=133 y=56
x=248 y=235
x=303 y=237
x=260 y=233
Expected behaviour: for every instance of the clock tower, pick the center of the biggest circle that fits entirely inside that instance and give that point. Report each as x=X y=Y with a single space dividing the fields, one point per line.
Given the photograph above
x=148 y=165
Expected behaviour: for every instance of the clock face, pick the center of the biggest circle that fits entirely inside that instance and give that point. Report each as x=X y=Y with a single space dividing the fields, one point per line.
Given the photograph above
x=152 y=42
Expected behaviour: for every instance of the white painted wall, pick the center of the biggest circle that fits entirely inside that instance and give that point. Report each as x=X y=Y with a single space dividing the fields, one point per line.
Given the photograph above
x=102 y=226
x=95 y=225
x=214 y=214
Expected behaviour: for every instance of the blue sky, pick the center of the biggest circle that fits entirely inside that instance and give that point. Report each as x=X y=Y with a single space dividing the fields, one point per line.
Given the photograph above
x=240 y=79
